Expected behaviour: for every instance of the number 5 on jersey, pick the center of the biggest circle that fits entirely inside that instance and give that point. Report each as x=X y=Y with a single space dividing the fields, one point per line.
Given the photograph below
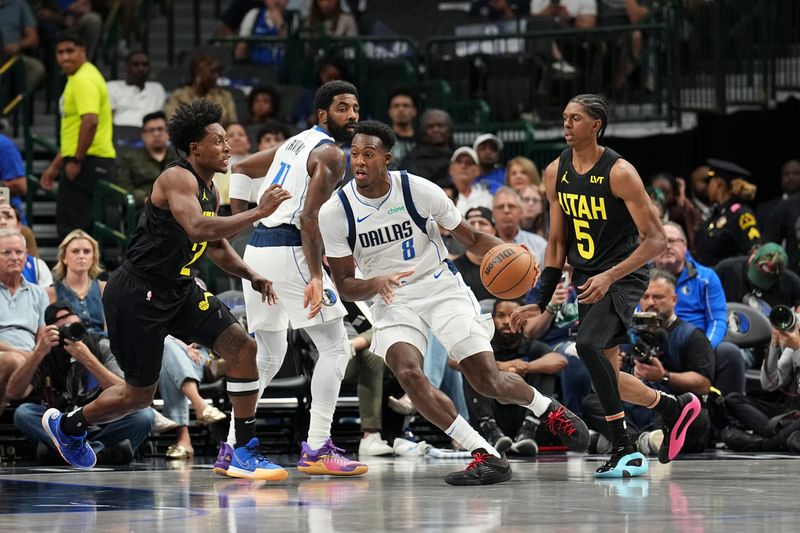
x=585 y=243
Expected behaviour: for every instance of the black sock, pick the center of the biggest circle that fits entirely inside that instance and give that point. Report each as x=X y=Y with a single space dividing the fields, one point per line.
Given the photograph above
x=244 y=429
x=74 y=424
x=620 y=439
x=667 y=407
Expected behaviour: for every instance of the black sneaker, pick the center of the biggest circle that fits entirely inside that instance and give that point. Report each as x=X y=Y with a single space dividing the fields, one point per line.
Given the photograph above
x=525 y=441
x=675 y=431
x=567 y=426
x=490 y=431
x=741 y=441
x=119 y=454
x=793 y=443
x=485 y=469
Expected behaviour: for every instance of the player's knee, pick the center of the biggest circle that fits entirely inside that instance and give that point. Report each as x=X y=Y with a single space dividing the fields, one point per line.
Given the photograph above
x=485 y=384
x=136 y=398
x=410 y=376
x=586 y=345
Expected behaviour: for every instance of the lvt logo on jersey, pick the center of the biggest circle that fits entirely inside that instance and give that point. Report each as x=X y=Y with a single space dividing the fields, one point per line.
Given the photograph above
x=596 y=179
x=385 y=235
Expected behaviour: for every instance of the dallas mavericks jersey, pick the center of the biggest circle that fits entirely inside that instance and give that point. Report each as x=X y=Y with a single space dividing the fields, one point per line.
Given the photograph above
x=392 y=234
x=289 y=169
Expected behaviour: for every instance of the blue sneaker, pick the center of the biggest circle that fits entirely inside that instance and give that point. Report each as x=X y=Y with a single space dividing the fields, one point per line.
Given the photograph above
x=247 y=462
x=75 y=450
x=623 y=464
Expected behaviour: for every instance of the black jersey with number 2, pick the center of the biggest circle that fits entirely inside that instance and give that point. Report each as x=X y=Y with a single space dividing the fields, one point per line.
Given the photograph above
x=599 y=228
x=159 y=247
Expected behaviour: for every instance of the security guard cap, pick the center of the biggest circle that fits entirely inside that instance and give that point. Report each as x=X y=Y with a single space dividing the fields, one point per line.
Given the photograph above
x=720 y=168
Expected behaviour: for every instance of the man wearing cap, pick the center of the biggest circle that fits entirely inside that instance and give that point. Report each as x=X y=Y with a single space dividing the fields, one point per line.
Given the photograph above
x=69 y=374
x=732 y=228
x=492 y=173
x=760 y=280
x=463 y=171
x=469 y=264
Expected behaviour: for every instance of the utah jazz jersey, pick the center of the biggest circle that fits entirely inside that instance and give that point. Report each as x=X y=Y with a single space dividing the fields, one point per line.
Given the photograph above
x=159 y=247
x=289 y=169
x=392 y=234
x=599 y=228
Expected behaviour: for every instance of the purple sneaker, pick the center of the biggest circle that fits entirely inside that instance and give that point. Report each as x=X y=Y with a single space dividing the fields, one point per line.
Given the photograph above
x=328 y=461
x=223 y=459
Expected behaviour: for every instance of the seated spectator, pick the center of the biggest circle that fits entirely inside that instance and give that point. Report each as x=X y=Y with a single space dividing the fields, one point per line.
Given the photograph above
x=67 y=373
x=732 y=227
x=678 y=208
x=204 y=72
x=521 y=172
x=271 y=134
x=303 y=114
x=673 y=357
x=182 y=370
x=18 y=35
x=138 y=168
x=538 y=365
x=580 y=14
x=240 y=148
x=507 y=211
x=402 y=112
x=271 y=19
x=469 y=264
x=430 y=158
x=781 y=216
x=134 y=98
x=760 y=280
x=328 y=18
x=534 y=218
x=495 y=10
x=698 y=192
x=76 y=280
x=790 y=185
x=35 y=270
x=492 y=173
x=463 y=171
x=22 y=306
x=231 y=18
x=767 y=418
x=264 y=103
x=701 y=302
x=12 y=174
x=243 y=190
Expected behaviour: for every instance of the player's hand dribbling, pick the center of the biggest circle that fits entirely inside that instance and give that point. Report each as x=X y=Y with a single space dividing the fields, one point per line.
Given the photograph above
x=384 y=285
x=595 y=288
x=264 y=286
x=312 y=297
x=272 y=198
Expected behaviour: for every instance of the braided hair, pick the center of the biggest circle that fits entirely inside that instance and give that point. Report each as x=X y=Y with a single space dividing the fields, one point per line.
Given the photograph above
x=596 y=107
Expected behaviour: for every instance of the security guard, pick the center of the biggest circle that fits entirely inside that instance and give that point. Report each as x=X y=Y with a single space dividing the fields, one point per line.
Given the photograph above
x=731 y=229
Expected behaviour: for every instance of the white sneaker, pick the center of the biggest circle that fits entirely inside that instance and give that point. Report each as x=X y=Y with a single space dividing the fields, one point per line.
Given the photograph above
x=375 y=446
x=562 y=67
x=408 y=448
x=162 y=423
x=649 y=442
x=402 y=405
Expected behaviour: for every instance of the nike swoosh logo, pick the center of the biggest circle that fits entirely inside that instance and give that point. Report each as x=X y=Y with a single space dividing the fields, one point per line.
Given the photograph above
x=362 y=219
x=436 y=276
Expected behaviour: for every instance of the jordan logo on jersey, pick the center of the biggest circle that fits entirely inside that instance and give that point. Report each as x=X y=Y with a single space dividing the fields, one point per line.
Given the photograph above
x=564 y=178
x=385 y=235
x=204 y=195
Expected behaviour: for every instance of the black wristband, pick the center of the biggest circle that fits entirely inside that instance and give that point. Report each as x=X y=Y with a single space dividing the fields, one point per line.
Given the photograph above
x=547 y=286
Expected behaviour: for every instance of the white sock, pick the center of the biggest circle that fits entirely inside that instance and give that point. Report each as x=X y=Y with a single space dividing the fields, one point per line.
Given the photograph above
x=539 y=404
x=461 y=431
x=334 y=354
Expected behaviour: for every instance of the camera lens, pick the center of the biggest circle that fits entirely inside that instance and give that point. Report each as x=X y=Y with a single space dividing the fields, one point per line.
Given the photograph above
x=782 y=317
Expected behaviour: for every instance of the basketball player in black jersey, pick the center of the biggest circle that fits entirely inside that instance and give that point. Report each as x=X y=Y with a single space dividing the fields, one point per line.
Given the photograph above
x=602 y=220
x=153 y=294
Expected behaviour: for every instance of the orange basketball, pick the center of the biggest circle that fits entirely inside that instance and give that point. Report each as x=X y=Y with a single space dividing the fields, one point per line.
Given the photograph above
x=509 y=271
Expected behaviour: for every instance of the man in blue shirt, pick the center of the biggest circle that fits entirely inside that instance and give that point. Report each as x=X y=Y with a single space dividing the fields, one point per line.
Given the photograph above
x=701 y=302
x=489 y=148
x=12 y=174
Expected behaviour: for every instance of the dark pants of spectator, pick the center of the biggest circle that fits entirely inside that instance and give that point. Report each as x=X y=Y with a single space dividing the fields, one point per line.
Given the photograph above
x=729 y=369
x=74 y=197
x=134 y=427
x=508 y=417
x=367 y=370
x=639 y=419
x=754 y=413
x=576 y=383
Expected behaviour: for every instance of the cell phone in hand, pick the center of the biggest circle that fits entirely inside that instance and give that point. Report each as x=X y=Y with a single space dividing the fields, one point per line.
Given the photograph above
x=5 y=195
x=565 y=279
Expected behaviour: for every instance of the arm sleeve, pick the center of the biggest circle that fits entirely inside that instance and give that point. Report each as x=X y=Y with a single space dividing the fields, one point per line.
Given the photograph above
x=697 y=355
x=716 y=307
x=431 y=201
x=333 y=227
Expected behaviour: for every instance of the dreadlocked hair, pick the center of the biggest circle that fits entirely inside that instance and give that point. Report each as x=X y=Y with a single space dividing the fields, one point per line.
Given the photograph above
x=188 y=124
x=596 y=107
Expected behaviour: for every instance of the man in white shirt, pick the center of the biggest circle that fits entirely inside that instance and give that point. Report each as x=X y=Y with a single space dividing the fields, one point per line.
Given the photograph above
x=507 y=211
x=463 y=171
x=133 y=98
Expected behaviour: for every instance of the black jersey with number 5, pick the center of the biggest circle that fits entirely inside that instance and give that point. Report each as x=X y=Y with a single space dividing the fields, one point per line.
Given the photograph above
x=599 y=228
x=159 y=247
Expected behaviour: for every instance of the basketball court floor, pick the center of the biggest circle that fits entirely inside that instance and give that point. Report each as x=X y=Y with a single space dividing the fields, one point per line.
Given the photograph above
x=555 y=493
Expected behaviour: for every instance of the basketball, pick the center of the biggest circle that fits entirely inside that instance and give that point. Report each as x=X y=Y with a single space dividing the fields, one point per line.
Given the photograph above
x=508 y=271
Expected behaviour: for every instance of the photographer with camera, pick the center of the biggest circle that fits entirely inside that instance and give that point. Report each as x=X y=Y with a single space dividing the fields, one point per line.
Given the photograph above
x=773 y=419
x=670 y=355
x=77 y=366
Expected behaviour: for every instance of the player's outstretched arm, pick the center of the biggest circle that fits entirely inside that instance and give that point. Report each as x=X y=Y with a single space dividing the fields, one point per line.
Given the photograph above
x=255 y=166
x=225 y=257
x=475 y=241
x=177 y=188
x=353 y=289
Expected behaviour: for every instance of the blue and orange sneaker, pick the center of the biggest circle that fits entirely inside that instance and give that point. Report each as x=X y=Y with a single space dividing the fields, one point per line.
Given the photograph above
x=223 y=459
x=247 y=462
x=75 y=450
x=328 y=461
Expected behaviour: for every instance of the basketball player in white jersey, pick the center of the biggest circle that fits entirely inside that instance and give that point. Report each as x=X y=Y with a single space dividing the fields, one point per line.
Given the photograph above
x=288 y=245
x=386 y=223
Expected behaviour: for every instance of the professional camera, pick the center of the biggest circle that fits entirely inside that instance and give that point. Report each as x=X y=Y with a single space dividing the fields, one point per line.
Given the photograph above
x=651 y=337
x=74 y=332
x=783 y=318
